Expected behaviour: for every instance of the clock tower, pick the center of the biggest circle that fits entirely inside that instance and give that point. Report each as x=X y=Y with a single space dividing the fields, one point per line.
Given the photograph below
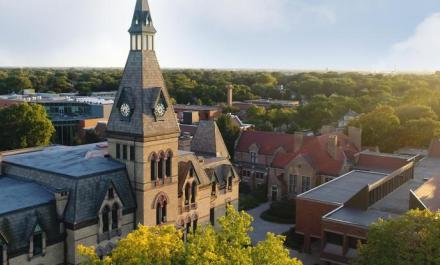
x=143 y=130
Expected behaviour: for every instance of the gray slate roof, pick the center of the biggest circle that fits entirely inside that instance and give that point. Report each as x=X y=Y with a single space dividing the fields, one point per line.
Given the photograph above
x=208 y=140
x=69 y=161
x=80 y=170
x=17 y=195
x=341 y=189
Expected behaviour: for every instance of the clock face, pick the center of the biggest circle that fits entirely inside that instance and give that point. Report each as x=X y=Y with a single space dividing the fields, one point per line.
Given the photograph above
x=159 y=111
x=125 y=110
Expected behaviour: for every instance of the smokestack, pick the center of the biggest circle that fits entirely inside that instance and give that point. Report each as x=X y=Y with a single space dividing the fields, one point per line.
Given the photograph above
x=332 y=146
x=230 y=89
x=299 y=139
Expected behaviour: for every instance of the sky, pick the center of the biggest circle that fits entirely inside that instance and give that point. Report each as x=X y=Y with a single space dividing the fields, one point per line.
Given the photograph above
x=369 y=35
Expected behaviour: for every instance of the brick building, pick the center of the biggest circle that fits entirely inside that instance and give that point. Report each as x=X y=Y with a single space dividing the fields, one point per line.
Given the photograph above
x=289 y=164
x=337 y=214
x=54 y=198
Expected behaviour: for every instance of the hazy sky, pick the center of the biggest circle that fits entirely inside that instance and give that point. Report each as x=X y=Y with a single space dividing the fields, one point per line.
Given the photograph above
x=269 y=34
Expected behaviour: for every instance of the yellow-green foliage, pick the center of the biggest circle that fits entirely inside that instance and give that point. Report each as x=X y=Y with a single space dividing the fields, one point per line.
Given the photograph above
x=229 y=244
x=412 y=239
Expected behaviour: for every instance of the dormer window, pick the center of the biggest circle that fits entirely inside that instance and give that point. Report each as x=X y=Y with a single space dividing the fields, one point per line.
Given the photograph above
x=136 y=21
x=253 y=157
x=111 y=193
x=37 y=243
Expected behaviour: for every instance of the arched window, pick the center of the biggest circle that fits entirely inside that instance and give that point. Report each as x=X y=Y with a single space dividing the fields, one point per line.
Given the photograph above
x=169 y=164
x=213 y=188
x=115 y=216
x=193 y=192
x=161 y=210
x=105 y=219
x=230 y=183
x=153 y=167
x=187 y=193
x=161 y=163
x=37 y=241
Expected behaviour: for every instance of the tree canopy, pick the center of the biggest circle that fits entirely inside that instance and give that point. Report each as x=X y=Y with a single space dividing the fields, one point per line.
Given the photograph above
x=24 y=125
x=413 y=238
x=229 y=244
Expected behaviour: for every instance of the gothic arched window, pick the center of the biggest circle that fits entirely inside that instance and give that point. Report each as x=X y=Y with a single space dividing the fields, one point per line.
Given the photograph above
x=193 y=192
x=153 y=167
x=105 y=219
x=115 y=216
x=161 y=210
x=187 y=193
x=161 y=164
x=169 y=164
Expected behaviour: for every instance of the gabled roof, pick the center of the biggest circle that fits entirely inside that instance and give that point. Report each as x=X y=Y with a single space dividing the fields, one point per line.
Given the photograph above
x=313 y=149
x=209 y=141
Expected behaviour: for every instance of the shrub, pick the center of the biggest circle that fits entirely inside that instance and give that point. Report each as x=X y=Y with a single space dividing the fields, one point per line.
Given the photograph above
x=281 y=212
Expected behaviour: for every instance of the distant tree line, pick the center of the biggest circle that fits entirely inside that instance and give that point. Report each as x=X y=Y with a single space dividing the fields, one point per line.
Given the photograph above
x=404 y=107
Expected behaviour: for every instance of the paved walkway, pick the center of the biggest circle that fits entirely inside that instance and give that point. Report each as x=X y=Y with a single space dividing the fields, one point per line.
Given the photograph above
x=261 y=228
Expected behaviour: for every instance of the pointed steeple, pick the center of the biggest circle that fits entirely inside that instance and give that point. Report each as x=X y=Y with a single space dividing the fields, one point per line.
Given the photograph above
x=143 y=107
x=142 y=21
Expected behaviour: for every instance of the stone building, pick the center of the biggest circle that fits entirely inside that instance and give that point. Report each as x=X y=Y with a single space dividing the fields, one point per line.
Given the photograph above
x=289 y=164
x=54 y=198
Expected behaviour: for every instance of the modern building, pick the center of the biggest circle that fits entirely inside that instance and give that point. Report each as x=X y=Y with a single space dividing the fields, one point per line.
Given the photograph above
x=197 y=113
x=55 y=198
x=289 y=164
x=70 y=115
x=337 y=214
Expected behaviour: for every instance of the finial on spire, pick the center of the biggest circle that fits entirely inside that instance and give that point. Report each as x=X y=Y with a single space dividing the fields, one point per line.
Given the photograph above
x=142 y=21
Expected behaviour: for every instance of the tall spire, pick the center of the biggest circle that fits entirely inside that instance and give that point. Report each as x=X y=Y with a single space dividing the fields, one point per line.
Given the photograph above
x=142 y=21
x=143 y=107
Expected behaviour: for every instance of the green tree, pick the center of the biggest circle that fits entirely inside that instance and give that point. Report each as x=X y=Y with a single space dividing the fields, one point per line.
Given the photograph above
x=419 y=133
x=415 y=112
x=379 y=128
x=24 y=125
x=229 y=244
x=229 y=131
x=413 y=238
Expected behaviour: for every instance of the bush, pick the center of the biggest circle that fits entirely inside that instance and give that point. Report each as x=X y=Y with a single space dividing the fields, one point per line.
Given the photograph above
x=281 y=212
x=247 y=202
x=293 y=240
x=250 y=199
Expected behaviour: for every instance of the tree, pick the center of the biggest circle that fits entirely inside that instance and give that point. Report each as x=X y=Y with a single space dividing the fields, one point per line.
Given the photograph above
x=24 y=125
x=419 y=133
x=379 y=128
x=415 y=112
x=413 y=238
x=229 y=244
x=229 y=131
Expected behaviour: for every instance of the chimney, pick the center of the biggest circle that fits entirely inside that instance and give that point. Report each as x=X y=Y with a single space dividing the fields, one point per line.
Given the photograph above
x=355 y=136
x=327 y=129
x=230 y=89
x=299 y=139
x=61 y=199
x=332 y=146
